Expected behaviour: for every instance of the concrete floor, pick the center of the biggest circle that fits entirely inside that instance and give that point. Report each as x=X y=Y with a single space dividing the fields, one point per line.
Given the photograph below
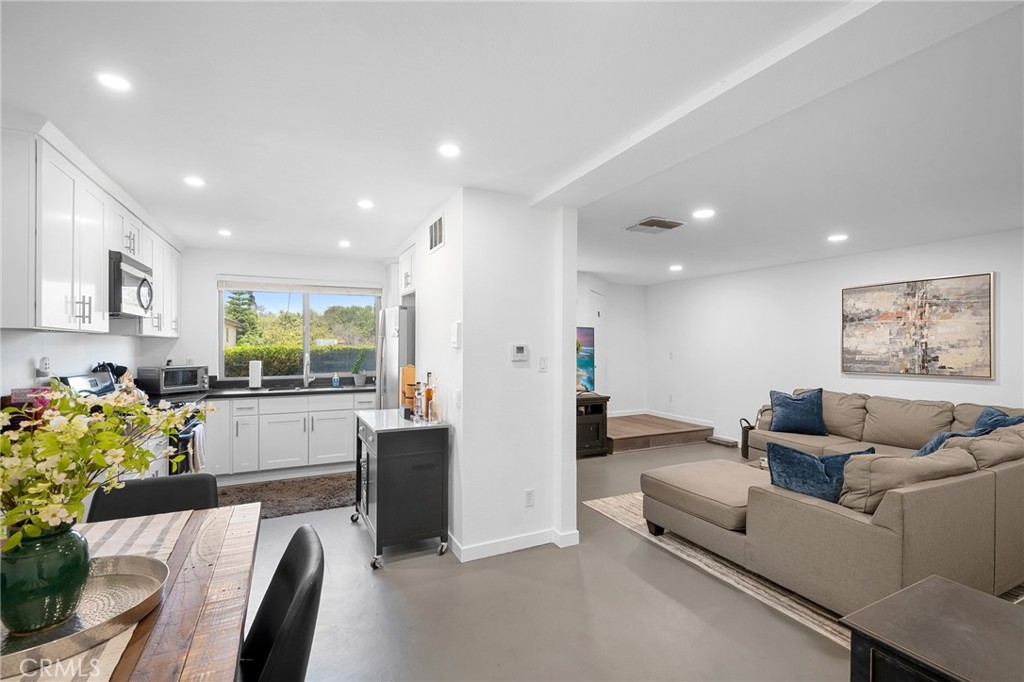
x=616 y=607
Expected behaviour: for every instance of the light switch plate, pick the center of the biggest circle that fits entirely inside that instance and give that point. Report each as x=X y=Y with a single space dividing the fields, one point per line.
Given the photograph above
x=457 y=334
x=520 y=352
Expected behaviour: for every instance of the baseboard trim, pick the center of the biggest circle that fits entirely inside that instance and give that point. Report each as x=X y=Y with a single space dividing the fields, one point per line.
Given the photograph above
x=626 y=413
x=281 y=474
x=680 y=417
x=515 y=543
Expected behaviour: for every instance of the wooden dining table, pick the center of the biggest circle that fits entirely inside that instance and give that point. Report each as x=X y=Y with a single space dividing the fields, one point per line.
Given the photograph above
x=196 y=630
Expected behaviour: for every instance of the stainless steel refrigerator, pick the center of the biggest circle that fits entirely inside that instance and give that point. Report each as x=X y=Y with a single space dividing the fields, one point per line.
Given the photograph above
x=396 y=348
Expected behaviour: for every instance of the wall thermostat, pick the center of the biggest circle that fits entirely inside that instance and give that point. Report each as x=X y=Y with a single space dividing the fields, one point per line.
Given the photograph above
x=520 y=352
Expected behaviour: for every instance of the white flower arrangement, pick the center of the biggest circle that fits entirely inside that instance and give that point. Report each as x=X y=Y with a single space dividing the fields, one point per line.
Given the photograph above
x=62 y=446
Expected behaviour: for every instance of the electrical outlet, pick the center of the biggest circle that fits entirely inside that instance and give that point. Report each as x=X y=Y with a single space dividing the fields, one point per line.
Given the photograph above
x=542 y=364
x=529 y=498
x=458 y=397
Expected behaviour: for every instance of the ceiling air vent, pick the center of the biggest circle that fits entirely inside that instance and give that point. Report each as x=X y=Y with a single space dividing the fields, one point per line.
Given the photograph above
x=654 y=225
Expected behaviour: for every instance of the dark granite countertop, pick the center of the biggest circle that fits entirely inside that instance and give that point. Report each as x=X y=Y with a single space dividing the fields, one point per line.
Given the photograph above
x=266 y=392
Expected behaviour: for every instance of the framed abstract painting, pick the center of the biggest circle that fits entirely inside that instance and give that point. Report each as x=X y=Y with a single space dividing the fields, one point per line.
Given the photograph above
x=584 y=358
x=928 y=327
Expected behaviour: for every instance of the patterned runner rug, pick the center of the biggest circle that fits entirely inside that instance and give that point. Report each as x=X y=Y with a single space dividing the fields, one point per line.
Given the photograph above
x=289 y=496
x=627 y=510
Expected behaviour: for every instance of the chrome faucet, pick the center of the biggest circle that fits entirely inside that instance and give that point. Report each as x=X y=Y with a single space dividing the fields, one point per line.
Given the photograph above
x=307 y=376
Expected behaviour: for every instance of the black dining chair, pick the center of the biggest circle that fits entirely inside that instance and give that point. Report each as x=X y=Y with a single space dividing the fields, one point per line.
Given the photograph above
x=277 y=646
x=144 y=496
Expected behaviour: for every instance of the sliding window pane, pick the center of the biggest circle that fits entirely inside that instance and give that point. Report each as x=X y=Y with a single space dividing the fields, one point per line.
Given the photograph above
x=266 y=326
x=342 y=328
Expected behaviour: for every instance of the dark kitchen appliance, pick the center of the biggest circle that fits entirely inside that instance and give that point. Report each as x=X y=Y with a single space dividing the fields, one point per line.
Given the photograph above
x=173 y=379
x=131 y=286
x=98 y=382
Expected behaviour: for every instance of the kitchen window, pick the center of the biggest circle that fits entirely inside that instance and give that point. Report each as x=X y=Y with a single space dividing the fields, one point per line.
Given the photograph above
x=278 y=324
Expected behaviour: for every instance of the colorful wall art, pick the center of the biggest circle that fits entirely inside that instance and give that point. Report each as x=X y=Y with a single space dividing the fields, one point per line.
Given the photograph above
x=584 y=358
x=935 y=327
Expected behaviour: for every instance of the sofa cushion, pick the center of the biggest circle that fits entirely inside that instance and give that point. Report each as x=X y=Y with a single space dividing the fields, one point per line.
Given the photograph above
x=1002 y=445
x=965 y=415
x=844 y=412
x=817 y=476
x=798 y=414
x=867 y=478
x=854 y=446
x=714 y=490
x=905 y=423
x=989 y=420
x=814 y=445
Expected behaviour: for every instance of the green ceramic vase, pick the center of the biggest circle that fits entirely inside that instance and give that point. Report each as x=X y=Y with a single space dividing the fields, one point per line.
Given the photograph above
x=41 y=582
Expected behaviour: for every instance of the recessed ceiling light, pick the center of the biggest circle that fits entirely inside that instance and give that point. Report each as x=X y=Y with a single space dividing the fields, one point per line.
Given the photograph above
x=365 y=204
x=113 y=81
x=195 y=181
x=224 y=233
x=449 y=150
x=704 y=213
x=675 y=268
x=344 y=243
x=838 y=238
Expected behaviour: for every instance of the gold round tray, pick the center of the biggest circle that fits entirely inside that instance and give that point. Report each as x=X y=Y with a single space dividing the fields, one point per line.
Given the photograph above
x=120 y=591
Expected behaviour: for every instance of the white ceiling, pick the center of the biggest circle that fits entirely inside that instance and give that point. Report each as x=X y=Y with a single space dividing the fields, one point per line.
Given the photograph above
x=790 y=118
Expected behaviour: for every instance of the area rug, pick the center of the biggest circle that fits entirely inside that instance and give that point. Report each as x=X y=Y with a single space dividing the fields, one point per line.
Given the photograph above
x=293 y=495
x=627 y=510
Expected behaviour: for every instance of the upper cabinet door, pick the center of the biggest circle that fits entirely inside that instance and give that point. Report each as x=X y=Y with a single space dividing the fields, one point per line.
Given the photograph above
x=406 y=273
x=57 y=307
x=172 y=295
x=91 y=257
x=124 y=231
x=156 y=323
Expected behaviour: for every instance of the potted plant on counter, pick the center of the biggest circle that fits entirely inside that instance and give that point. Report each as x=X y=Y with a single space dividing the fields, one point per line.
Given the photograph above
x=358 y=378
x=54 y=451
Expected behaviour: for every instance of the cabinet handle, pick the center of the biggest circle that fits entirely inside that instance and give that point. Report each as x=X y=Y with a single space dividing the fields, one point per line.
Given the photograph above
x=236 y=429
x=408 y=278
x=303 y=424
x=312 y=423
x=89 y=304
x=76 y=315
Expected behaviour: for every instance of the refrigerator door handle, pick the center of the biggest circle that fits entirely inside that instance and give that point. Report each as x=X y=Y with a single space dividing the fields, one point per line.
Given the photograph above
x=381 y=374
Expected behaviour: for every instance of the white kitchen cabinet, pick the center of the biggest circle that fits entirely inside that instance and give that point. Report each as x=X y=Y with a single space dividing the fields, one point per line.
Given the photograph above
x=331 y=437
x=283 y=441
x=124 y=230
x=217 y=439
x=165 y=260
x=406 y=272
x=70 y=247
x=245 y=446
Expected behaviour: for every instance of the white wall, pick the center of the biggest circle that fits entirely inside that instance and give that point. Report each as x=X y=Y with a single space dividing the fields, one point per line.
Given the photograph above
x=200 y=270
x=620 y=339
x=69 y=353
x=514 y=414
x=438 y=280
x=507 y=272
x=735 y=337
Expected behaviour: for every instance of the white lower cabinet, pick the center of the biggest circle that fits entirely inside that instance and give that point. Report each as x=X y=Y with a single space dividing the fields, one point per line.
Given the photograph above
x=331 y=437
x=249 y=435
x=245 y=445
x=283 y=441
x=217 y=440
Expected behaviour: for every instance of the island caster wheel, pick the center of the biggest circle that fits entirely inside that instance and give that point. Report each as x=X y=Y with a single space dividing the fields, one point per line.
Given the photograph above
x=442 y=548
x=354 y=517
x=376 y=562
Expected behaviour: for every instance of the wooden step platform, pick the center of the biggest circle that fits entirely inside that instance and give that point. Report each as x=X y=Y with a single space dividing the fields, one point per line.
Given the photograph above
x=644 y=431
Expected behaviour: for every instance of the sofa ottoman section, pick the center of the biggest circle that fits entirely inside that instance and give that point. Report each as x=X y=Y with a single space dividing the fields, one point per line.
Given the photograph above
x=703 y=502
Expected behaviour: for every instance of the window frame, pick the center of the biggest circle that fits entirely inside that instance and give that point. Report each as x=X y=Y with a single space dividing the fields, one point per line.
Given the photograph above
x=306 y=290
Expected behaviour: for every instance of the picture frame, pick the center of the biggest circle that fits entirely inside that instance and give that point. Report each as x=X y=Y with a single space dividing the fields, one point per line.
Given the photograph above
x=942 y=326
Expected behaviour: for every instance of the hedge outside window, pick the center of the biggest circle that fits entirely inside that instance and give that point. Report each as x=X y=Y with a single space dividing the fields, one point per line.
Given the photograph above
x=278 y=327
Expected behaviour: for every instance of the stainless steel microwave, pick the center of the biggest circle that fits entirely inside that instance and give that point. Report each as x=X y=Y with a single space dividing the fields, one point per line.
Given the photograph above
x=173 y=379
x=131 y=286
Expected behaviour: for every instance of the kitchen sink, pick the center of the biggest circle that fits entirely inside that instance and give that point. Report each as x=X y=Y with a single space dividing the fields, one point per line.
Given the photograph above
x=275 y=389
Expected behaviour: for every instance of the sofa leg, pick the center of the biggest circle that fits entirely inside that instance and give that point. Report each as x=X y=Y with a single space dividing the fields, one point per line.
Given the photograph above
x=655 y=529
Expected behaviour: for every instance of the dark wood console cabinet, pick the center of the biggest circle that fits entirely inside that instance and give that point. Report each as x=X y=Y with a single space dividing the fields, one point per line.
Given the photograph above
x=591 y=424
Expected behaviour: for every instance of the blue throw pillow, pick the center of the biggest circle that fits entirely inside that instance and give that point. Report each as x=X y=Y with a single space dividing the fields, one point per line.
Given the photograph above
x=798 y=414
x=820 y=477
x=988 y=421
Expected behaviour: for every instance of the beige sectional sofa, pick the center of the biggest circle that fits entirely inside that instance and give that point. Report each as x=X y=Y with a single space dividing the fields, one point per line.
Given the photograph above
x=968 y=527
